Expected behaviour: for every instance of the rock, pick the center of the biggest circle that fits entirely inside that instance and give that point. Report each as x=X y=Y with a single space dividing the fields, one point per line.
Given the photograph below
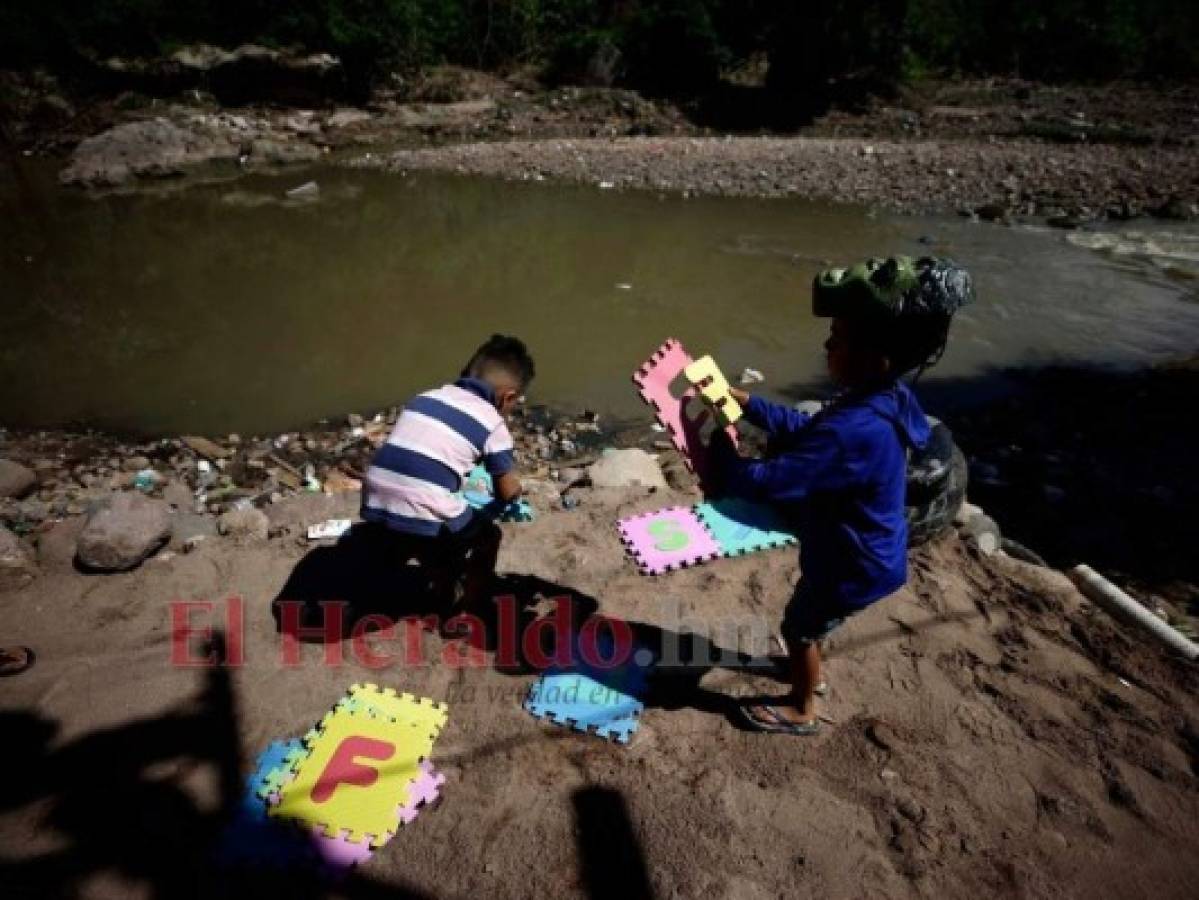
x=150 y=148
x=135 y=463
x=17 y=566
x=56 y=547
x=881 y=735
x=190 y=527
x=982 y=532
x=569 y=475
x=246 y=522
x=337 y=481
x=15 y=479
x=677 y=475
x=282 y=153
x=966 y=512
x=625 y=468
x=910 y=810
x=123 y=531
x=205 y=447
x=178 y=495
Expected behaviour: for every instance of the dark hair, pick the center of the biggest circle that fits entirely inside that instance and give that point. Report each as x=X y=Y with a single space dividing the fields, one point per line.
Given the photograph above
x=911 y=342
x=501 y=351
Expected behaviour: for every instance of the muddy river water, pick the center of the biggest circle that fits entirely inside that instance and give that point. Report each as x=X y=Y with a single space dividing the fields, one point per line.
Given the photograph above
x=228 y=307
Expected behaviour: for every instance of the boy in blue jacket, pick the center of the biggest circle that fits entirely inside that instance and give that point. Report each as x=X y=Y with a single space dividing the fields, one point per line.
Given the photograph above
x=840 y=474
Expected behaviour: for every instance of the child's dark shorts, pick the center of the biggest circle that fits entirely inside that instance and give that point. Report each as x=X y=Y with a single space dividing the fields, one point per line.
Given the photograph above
x=447 y=548
x=809 y=618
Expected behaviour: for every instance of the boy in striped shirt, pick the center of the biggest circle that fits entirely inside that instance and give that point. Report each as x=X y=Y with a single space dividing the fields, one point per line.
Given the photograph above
x=412 y=486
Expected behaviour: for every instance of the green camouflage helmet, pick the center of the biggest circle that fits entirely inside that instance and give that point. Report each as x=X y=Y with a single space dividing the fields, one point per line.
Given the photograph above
x=892 y=287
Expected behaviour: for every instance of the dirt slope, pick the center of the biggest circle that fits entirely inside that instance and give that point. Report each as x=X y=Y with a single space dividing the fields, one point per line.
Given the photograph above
x=981 y=740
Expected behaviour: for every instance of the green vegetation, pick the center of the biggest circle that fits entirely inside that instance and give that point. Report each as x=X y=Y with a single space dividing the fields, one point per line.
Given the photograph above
x=673 y=46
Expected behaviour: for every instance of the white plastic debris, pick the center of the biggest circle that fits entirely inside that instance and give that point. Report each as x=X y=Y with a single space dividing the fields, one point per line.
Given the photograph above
x=330 y=528
x=751 y=376
x=307 y=189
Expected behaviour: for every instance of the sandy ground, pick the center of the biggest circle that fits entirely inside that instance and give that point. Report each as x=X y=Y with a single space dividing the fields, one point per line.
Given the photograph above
x=988 y=734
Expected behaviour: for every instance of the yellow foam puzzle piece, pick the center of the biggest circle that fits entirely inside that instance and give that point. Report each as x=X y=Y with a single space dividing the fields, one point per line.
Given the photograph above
x=357 y=775
x=716 y=392
x=421 y=712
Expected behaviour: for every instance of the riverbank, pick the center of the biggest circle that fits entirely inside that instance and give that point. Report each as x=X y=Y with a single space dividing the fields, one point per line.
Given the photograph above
x=987 y=731
x=996 y=149
x=987 y=180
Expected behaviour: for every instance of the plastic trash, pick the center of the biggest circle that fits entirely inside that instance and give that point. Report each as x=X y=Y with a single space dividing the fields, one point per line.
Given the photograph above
x=751 y=376
x=330 y=528
x=308 y=190
x=146 y=480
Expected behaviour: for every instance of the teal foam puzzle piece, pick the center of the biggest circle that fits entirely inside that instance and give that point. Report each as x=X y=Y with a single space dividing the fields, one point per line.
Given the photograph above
x=275 y=766
x=478 y=490
x=576 y=701
x=740 y=526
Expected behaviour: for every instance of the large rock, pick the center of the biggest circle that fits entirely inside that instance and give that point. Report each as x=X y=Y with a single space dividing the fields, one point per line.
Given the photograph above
x=244 y=523
x=15 y=479
x=242 y=76
x=17 y=567
x=153 y=148
x=123 y=531
x=626 y=468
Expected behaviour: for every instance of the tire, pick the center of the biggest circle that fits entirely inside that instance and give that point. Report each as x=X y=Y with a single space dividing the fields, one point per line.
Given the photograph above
x=936 y=486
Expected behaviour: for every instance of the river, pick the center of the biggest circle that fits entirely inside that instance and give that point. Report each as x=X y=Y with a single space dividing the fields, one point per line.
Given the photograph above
x=226 y=307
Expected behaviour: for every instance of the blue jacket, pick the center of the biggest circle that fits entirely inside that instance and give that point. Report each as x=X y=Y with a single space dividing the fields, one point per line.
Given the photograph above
x=839 y=476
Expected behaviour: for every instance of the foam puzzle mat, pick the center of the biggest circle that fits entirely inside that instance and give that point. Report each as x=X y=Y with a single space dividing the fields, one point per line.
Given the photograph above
x=358 y=772
x=678 y=536
x=420 y=712
x=667 y=539
x=653 y=380
x=741 y=526
x=574 y=700
x=478 y=490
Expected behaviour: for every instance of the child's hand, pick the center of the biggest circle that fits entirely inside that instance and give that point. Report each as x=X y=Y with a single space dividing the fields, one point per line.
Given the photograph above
x=736 y=393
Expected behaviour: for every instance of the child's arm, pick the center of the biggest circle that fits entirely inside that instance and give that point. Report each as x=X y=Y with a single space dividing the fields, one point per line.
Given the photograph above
x=500 y=462
x=815 y=463
x=772 y=418
x=508 y=487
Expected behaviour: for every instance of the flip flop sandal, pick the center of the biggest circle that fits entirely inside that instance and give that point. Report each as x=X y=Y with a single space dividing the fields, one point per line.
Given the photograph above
x=780 y=666
x=779 y=725
x=15 y=660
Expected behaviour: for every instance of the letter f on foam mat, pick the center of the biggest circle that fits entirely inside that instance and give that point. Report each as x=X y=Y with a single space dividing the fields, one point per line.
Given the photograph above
x=360 y=770
x=653 y=382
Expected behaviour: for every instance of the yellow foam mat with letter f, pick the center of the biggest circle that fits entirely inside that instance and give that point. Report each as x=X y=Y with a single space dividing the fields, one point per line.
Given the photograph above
x=714 y=388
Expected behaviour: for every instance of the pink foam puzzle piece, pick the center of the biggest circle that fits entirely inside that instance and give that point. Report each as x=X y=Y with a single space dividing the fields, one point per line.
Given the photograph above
x=667 y=539
x=653 y=382
x=341 y=853
x=423 y=790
